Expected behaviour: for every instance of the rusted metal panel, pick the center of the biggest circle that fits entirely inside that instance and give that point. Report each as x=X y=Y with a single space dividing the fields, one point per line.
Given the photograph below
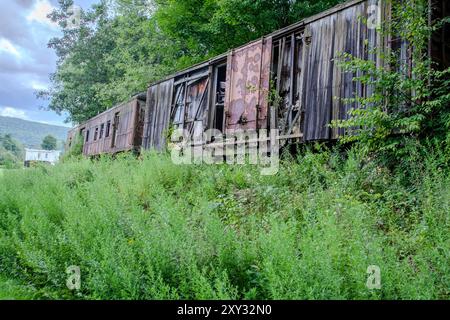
x=157 y=115
x=248 y=85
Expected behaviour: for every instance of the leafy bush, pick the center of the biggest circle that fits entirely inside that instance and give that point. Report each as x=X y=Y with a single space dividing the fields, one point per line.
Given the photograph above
x=11 y=152
x=75 y=150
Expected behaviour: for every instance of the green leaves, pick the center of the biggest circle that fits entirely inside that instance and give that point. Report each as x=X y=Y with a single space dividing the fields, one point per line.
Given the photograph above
x=410 y=97
x=149 y=229
x=49 y=143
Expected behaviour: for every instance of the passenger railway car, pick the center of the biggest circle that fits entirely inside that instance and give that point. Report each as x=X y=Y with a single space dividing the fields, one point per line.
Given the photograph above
x=115 y=130
x=231 y=92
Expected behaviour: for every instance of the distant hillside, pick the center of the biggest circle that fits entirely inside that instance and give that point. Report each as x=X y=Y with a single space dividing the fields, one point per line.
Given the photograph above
x=29 y=133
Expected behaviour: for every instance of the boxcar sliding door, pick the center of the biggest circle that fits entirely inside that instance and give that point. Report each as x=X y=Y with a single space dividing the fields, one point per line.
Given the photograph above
x=157 y=115
x=190 y=102
x=287 y=71
x=247 y=86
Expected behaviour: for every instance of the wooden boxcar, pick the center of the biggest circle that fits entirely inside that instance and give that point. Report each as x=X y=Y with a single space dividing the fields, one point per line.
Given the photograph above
x=115 y=130
x=230 y=92
x=226 y=93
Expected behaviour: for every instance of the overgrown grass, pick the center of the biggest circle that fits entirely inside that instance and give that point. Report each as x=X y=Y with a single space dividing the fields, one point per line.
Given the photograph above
x=148 y=229
x=13 y=290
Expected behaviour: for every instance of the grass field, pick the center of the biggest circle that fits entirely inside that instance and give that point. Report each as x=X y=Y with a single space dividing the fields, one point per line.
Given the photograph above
x=149 y=229
x=12 y=290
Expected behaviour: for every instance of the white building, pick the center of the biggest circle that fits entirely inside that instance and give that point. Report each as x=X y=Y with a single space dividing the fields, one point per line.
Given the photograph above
x=33 y=155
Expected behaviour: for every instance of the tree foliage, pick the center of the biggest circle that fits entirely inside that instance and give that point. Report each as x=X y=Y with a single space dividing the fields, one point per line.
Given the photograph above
x=11 y=152
x=49 y=143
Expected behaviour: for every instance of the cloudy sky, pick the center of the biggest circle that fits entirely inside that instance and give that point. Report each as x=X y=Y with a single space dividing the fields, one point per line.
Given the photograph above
x=25 y=60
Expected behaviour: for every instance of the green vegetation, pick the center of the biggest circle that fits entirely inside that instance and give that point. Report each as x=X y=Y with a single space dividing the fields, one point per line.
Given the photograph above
x=11 y=152
x=75 y=150
x=49 y=143
x=148 y=229
x=30 y=134
x=145 y=228
x=12 y=290
x=408 y=100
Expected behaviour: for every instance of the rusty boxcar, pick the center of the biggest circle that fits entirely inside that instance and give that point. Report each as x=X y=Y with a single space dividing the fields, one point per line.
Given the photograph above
x=231 y=92
x=115 y=130
x=226 y=93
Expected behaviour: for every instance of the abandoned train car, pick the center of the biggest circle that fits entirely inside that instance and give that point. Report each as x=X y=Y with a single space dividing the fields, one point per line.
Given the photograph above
x=116 y=130
x=231 y=92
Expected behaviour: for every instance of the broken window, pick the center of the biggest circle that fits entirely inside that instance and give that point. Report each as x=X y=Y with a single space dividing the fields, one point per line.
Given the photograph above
x=108 y=128
x=115 y=129
x=96 y=133
x=102 y=129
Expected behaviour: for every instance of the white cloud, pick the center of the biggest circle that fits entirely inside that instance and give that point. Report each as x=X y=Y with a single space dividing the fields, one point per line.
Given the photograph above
x=8 y=47
x=38 y=86
x=13 y=113
x=41 y=9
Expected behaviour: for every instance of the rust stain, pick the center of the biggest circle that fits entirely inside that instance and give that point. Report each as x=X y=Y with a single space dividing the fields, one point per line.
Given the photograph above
x=247 y=86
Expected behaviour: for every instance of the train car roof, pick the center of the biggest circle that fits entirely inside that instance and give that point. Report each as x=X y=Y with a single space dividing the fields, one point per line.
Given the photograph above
x=139 y=96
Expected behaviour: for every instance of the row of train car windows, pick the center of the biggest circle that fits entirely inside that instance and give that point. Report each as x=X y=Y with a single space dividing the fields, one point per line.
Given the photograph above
x=99 y=131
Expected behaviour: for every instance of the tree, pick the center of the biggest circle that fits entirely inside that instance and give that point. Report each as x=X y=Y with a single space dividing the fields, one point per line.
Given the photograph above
x=49 y=143
x=11 y=152
x=11 y=145
x=114 y=53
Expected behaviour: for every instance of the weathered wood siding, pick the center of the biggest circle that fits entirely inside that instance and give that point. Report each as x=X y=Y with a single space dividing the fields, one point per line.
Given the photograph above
x=157 y=115
x=191 y=101
x=325 y=82
x=71 y=137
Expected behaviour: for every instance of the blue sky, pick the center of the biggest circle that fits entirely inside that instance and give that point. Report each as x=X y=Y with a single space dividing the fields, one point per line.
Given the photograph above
x=25 y=60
